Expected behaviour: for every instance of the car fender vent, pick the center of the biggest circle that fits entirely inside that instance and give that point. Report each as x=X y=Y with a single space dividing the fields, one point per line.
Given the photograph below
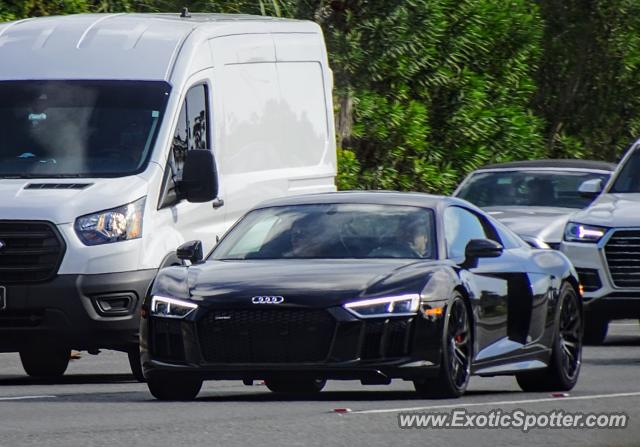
x=58 y=185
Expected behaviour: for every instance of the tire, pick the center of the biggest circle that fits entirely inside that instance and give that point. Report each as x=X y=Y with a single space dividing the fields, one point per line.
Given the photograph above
x=457 y=353
x=566 y=356
x=295 y=386
x=45 y=361
x=135 y=364
x=174 y=387
x=595 y=330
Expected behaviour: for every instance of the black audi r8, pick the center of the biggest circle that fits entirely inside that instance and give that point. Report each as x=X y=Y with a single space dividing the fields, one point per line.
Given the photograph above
x=369 y=286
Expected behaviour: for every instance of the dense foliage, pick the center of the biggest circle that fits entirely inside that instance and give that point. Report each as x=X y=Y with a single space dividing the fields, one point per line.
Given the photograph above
x=427 y=90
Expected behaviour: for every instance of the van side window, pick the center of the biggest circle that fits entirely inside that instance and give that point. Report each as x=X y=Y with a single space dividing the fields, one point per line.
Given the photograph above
x=192 y=130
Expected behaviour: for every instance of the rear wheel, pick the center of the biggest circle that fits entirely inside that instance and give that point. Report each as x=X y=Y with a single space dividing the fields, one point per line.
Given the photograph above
x=457 y=349
x=45 y=361
x=595 y=329
x=566 y=357
x=174 y=387
x=295 y=386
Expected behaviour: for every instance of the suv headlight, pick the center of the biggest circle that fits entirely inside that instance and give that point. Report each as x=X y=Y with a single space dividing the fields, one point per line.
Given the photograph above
x=114 y=225
x=385 y=307
x=161 y=306
x=575 y=232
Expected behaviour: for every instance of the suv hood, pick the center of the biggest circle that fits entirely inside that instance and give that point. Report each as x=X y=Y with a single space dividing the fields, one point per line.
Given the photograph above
x=541 y=222
x=61 y=201
x=612 y=210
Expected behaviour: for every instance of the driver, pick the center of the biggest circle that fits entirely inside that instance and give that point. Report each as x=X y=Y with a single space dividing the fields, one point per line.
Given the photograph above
x=418 y=237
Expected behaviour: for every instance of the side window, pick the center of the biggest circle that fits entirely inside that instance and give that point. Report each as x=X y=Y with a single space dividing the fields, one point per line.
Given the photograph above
x=460 y=226
x=192 y=130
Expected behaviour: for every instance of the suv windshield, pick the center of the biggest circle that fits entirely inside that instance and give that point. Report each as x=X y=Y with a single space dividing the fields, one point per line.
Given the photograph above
x=528 y=188
x=331 y=231
x=628 y=180
x=78 y=128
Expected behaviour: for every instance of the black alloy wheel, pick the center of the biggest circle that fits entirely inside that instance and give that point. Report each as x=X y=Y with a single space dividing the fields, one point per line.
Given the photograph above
x=566 y=356
x=295 y=386
x=457 y=354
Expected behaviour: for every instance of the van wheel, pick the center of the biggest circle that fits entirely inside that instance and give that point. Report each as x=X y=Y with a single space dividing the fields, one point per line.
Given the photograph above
x=135 y=364
x=295 y=386
x=566 y=356
x=174 y=387
x=49 y=361
x=595 y=329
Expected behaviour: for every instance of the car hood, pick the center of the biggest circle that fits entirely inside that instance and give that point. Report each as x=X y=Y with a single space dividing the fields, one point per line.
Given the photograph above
x=59 y=202
x=312 y=283
x=541 y=222
x=612 y=210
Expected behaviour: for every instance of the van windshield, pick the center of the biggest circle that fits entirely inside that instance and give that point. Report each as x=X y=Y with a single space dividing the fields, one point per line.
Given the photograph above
x=78 y=128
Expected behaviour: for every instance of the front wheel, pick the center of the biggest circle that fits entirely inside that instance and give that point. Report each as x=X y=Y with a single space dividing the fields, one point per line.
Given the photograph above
x=566 y=356
x=135 y=364
x=295 y=386
x=45 y=361
x=457 y=349
x=174 y=387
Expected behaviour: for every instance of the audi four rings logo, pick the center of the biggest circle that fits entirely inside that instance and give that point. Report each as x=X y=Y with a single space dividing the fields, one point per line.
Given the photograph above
x=267 y=299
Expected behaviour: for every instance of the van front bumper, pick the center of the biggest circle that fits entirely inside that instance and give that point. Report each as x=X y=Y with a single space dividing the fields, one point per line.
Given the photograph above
x=83 y=312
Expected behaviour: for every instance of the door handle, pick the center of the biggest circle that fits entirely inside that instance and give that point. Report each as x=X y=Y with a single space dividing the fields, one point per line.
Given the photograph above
x=217 y=203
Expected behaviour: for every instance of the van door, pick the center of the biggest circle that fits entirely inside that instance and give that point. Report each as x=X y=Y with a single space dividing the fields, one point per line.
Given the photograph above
x=201 y=221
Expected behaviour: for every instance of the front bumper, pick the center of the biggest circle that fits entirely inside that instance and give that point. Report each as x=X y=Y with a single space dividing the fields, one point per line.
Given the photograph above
x=84 y=312
x=370 y=350
x=601 y=295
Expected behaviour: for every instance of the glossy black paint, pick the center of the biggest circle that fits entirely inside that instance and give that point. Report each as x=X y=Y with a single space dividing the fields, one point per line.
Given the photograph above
x=512 y=297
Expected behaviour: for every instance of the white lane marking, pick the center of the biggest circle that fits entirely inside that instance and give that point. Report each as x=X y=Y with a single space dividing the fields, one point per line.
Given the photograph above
x=26 y=397
x=504 y=402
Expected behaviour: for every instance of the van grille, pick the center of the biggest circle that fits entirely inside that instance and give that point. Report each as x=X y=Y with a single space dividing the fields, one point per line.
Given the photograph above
x=623 y=257
x=30 y=251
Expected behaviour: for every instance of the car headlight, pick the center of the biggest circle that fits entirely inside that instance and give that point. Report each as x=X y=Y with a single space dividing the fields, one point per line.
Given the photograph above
x=385 y=307
x=575 y=232
x=114 y=225
x=162 y=306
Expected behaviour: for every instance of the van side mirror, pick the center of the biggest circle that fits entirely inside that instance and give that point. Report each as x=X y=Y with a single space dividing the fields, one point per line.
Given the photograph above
x=199 y=179
x=590 y=189
x=190 y=251
x=481 y=248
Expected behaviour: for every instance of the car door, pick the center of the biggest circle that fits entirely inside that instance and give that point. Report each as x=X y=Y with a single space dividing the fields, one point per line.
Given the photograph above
x=499 y=288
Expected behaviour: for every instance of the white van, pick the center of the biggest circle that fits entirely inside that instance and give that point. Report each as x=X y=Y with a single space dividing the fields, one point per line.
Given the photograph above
x=123 y=136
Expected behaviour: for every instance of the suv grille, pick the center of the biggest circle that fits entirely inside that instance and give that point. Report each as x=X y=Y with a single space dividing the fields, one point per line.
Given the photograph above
x=266 y=336
x=30 y=251
x=623 y=257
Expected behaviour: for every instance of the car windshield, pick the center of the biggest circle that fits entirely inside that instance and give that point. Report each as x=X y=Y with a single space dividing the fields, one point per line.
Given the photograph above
x=547 y=188
x=628 y=181
x=78 y=128
x=331 y=231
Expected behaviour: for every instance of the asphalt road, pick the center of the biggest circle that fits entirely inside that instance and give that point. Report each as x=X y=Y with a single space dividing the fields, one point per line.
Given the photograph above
x=98 y=404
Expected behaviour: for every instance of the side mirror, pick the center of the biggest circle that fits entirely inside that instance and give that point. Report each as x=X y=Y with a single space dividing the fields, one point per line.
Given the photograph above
x=481 y=248
x=590 y=189
x=190 y=251
x=199 y=179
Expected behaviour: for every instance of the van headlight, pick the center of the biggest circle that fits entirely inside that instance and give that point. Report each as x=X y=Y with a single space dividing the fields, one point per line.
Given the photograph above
x=114 y=225
x=392 y=306
x=162 y=306
x=575 y=232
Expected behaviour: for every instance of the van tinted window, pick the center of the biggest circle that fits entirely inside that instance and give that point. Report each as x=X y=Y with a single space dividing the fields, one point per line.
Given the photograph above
x=192 y=128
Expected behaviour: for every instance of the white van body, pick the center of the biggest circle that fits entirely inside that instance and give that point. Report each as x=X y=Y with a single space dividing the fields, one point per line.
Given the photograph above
x=266 y=86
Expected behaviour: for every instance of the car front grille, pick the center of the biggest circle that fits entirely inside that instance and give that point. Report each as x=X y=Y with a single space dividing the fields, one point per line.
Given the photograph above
x=30 y=251
x=266 y=335
x=623 y=257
